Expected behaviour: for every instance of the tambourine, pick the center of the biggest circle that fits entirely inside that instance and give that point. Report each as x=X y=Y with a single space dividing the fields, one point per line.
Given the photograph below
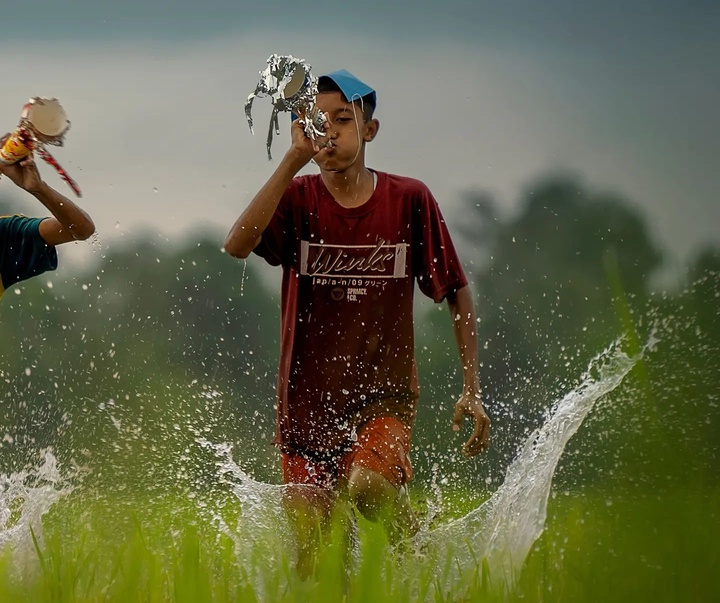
x=291 y=86
x=43 y=122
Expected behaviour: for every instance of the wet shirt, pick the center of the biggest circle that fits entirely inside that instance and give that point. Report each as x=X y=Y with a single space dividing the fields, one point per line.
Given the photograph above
x=23 y=252
x=349 y=274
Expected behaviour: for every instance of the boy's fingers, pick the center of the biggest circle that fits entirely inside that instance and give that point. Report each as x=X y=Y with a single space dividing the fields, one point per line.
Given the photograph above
x=485 y=438
x=478 y=427
x=457 y=417
x=474 y=446
x=480 y=439
x=471 y=447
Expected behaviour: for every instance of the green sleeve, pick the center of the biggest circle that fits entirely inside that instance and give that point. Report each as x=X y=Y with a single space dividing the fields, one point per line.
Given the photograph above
x=23 y=252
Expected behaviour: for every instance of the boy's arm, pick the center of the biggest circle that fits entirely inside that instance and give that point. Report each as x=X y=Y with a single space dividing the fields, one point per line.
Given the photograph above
x=245 y=234
x=69 y=222
x=462 y=311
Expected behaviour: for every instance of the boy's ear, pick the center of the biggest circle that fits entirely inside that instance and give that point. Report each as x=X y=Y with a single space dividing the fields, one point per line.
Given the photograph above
x=371 y=129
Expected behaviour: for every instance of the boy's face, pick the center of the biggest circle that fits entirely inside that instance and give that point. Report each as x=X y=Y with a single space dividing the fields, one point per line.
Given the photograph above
x=347 y=132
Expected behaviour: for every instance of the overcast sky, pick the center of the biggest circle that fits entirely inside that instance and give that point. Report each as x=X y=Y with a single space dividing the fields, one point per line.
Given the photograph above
x=485 y=94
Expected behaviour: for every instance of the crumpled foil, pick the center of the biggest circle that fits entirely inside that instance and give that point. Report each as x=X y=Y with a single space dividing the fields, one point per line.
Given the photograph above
x=283 y=70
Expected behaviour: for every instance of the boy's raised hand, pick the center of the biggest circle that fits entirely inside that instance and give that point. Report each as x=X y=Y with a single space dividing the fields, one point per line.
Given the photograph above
x=303 y=146
x=24 y=173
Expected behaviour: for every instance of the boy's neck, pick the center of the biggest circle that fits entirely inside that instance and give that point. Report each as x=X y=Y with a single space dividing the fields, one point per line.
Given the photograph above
x=352 y=187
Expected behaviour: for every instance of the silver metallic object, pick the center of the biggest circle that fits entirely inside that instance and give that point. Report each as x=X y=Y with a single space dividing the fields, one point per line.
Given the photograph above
x=291 y=87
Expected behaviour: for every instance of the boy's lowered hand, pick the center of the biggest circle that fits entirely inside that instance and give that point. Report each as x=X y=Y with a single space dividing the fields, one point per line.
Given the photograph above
x=470 y=404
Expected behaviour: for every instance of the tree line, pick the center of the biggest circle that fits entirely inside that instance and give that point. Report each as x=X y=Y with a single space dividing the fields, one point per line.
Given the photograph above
x=131 y=362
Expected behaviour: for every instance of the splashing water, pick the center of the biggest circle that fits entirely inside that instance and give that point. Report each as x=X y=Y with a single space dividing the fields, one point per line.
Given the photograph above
x=242 y=279
x=500 y=531
x=503 y=529
x=261 y=503
x=25 y=497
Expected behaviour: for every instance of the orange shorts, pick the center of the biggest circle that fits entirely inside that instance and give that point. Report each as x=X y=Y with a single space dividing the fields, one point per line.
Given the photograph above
x=383 y=445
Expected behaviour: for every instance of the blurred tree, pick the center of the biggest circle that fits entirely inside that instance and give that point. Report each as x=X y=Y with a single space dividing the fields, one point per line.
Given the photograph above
x=149 y=338
x=544 y=304
x=133 y=357
x=544 y=298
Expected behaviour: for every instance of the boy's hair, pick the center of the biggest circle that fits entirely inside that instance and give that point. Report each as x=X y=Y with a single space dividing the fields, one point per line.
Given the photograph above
x=367 y=102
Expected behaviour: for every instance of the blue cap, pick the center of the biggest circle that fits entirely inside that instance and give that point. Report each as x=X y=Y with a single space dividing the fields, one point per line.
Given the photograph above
x=352 y=88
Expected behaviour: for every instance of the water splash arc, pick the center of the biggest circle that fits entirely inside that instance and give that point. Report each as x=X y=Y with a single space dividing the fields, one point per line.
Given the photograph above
x=503 y=529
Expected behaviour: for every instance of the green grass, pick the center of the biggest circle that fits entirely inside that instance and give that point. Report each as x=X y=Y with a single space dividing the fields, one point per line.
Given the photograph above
x=629 y=546
x=598 y=546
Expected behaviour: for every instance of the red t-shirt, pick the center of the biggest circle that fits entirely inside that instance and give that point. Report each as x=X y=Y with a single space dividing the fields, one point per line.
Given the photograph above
x=347 y=349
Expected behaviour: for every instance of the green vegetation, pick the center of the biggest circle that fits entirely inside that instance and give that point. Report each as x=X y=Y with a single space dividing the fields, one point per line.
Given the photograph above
x=632 y=546
x=126 y=368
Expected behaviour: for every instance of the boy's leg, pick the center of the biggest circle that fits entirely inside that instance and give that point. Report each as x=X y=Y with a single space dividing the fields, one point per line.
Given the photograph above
x=379 y=500
x=309 y=499
x=377 y=470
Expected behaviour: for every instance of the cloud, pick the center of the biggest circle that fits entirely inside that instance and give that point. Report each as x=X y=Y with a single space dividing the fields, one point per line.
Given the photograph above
x=159 y=136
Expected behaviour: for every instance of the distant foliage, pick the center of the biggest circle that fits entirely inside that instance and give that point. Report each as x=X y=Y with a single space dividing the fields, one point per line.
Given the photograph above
x=162 y=342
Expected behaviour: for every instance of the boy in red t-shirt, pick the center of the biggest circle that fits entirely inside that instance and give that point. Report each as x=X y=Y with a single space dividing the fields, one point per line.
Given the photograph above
x=352 y=242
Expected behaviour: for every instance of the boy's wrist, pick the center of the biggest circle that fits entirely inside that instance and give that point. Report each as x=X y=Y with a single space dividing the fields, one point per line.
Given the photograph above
x=472 y=386
x=295 y=160
x=38 y=190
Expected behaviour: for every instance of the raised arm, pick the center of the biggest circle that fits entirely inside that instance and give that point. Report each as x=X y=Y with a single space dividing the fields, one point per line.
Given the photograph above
x=462 y=312
x=245 y=234
x=69 y=222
